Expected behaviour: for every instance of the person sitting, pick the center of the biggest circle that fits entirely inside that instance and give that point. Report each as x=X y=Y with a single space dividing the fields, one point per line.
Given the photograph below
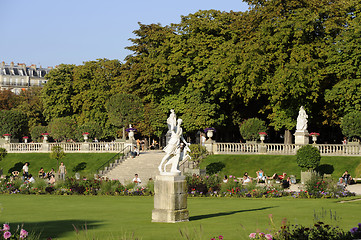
x=41 y=173
x=31 y=178
x=347 y=177
x=260 y=176
x=50 y=173
x=15 y=174
x=225 y=179
x=286 y=183
x=341 y=184
x=51 y=180
x=136 y=179
x=246 y=179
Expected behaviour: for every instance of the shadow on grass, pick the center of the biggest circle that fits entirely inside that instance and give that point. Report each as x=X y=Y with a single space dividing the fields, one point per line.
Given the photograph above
x=56 y=229
x=199 y=217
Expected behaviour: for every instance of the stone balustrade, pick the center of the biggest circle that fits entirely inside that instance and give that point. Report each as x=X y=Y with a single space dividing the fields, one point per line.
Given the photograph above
x=216 y=148
x=284 y=149
x=68 y=147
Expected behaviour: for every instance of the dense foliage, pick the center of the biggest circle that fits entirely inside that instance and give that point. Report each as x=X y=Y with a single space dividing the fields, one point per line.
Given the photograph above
x=217 y=69
x=251 y=128
x=351 y=125
x=308 y=157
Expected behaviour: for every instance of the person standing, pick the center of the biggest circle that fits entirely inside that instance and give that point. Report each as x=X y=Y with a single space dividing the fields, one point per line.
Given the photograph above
x=26 y=171
x=62 y=171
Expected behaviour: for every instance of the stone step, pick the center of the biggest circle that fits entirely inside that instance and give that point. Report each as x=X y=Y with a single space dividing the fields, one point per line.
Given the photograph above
x=145 y=165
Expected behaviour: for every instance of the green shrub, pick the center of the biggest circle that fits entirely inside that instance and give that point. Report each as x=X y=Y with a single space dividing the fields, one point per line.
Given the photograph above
x=308 y=157
x=251 y=128
x=36 y=132
x=215 y=167
x=198 y=153
x=351 y=125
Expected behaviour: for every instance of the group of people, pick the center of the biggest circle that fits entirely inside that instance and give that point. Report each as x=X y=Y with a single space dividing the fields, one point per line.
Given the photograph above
x=50 y=176
x=261 y=177
x=345 y=180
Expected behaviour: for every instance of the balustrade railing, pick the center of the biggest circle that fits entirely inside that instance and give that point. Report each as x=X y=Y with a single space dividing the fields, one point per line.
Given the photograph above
x=285 y=149
x=68 y=147
x=218 y=148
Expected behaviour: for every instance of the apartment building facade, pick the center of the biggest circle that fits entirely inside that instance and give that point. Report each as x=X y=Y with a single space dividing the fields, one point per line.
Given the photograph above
x=21 y=77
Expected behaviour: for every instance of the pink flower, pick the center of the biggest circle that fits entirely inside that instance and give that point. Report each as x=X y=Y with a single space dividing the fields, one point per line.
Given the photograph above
x=261 y=234
x=252 y=235
x=23 y=233
x=268 y=236
x=7 y=234
x=220 y=237
x=6 y=227
x=230 y=176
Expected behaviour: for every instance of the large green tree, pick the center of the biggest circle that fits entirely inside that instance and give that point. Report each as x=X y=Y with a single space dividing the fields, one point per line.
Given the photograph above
x=13 y=122
x=58 y=91
x=345 y=67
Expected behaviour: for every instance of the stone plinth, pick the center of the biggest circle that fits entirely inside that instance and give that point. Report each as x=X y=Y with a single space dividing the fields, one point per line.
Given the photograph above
x=302 y=137
x=170 y=199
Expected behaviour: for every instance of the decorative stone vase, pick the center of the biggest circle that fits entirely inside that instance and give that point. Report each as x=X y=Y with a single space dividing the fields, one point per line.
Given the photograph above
x=262 y=137
x=7 y=138
x=314 y=139
x=25 y=140
x=85 y=136
x=45 y=140
x=210 y=133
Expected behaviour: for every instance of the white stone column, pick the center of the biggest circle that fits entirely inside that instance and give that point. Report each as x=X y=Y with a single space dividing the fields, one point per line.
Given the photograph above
x=170 y=199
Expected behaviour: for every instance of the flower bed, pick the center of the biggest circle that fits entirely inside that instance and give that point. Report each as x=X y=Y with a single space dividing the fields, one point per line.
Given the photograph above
x=208 y=186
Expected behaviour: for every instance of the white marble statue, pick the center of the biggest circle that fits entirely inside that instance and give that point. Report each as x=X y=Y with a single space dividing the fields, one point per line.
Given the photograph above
x=301 y=120
x=171 y=121
x=176 y=148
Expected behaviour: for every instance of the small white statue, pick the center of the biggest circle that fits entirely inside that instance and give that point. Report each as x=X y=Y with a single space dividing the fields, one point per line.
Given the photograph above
x=301 y=120
x=177 y=147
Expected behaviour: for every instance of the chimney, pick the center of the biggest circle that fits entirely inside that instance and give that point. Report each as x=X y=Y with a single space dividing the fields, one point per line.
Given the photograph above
x=3 y=64
x=33 y=66
x=12 y=64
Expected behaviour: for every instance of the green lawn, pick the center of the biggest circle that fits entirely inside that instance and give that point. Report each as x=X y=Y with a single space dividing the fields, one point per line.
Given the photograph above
x=110 y=216
x=238 y=164
x=93 y=161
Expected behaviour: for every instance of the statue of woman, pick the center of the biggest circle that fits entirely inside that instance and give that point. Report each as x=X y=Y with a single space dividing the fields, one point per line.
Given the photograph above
x=173 y=144
x=301 y=120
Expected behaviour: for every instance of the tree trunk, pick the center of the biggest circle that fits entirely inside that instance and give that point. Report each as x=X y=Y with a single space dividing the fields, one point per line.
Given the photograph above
x=287 y=137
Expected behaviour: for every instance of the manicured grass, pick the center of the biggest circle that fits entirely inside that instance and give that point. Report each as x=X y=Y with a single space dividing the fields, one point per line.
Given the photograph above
x=270 y=164
x=93 y=161
x=108 y=217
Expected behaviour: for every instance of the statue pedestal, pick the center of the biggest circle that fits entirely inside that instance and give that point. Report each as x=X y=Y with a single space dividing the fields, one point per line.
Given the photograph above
x=170 y=199
x=302 y=137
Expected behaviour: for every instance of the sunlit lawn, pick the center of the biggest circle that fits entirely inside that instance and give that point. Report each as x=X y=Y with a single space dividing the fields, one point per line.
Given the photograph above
x=108 y=217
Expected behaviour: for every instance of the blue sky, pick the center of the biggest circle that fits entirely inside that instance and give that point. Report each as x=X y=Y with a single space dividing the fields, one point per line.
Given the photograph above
x=50 y=32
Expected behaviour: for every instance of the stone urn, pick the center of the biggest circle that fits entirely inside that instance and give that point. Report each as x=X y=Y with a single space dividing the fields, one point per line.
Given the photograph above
x=314 y=137
x=45 y=137
x=25 y=139
x=262 y=136
x=210 y=133
x=7 y=137
x=85 y=136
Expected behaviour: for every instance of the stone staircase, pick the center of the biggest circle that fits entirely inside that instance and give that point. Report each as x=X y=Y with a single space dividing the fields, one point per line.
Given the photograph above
x=145 y=165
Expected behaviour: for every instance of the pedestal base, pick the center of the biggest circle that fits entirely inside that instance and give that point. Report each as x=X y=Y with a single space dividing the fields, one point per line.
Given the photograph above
x=302 y=137
x=170 y=199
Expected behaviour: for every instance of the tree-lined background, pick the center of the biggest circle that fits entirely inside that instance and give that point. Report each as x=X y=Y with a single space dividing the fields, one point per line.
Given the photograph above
x=215 y=69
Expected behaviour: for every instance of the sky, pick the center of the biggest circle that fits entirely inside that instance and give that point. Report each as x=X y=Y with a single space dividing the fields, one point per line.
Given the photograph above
x=52 y=32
